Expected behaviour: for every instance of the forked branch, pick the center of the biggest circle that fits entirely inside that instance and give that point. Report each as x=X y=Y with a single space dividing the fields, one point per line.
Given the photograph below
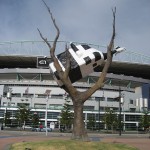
x=53 y=47
x=109 y=49
x=100 y=82
x=68 y=65
x=55 y=25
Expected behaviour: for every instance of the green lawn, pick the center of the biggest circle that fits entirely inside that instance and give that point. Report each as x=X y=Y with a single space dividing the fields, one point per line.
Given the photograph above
x=69 y=145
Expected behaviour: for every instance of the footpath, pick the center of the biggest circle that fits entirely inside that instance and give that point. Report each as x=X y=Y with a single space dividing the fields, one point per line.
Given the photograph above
x=140 y=141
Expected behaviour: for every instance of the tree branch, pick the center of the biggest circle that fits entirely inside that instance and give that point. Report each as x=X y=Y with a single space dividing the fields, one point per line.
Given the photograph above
x=52 y=48
x=68 y=65
x=44 y=39
x=57 y=29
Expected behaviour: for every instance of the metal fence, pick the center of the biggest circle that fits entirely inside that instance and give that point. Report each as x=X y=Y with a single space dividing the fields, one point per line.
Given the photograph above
x=39 y=48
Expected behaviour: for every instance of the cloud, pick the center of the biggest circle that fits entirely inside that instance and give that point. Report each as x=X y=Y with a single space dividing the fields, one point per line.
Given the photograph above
x=80 y=20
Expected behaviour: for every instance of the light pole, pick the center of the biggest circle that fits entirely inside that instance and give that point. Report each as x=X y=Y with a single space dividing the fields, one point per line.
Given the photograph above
x=119 y=115
x=31 y=103
x=47 y=93
x=1 y=124
x=0 y=99
x=59 y=117
x=99 y=109
x=120 y=109
x=137 y=126
x=8 y=103
x=46 y=115
x=9 y=96
x=99 y=114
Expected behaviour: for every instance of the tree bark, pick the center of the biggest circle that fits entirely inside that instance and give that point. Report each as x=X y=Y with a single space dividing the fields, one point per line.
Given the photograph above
x=79 y=131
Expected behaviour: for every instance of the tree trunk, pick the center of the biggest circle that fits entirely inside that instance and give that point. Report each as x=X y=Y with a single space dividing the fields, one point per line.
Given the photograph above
x=79 y=131
x=78 y=99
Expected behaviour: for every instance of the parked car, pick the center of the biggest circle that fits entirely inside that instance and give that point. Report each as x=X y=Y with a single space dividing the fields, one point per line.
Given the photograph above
x=142 y=130
x=62 y=129
x=42 y=129
x=26 y=127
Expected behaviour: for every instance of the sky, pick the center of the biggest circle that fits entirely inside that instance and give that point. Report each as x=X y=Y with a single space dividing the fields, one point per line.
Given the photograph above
x=88 y=21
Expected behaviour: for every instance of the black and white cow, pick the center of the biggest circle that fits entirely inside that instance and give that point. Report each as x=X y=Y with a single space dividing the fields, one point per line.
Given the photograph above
x=84 y=60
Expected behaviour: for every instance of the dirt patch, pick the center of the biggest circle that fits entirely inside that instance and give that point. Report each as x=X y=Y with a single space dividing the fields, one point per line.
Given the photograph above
x=140 y=143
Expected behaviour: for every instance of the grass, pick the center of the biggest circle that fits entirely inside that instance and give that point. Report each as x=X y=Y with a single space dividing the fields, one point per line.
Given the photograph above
x=69 y=145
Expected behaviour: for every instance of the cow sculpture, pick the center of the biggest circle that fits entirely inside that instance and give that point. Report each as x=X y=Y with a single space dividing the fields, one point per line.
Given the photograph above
x=84 y=60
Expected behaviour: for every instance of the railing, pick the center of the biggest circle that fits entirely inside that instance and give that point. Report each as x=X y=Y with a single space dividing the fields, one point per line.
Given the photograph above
x=39 y=48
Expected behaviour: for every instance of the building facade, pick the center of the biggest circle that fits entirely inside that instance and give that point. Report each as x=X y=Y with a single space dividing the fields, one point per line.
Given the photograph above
x=28 y=86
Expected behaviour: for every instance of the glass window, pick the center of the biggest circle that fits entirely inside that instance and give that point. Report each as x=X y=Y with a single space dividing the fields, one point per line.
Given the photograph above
x=16 y=94
x=4 y=104
x=88 y=107
x=130 y=126
x=40 y=106
x=100 y=98
x=132 y=109
x=110 y=99
x=131 y=101
x=12 y=104
x=53 y=115
x=91 y=116
x=59 y=96
x=99 y=117
x=2 y=112
x=40 y=95
x=23 y=104
x=41 y=115
x=55 y=106
x=132 y=117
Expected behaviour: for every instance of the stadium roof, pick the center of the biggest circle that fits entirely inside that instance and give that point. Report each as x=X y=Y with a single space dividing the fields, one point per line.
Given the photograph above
x=124 y=68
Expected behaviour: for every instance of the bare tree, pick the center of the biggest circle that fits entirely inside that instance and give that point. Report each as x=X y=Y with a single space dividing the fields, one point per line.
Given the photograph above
x=78 y=97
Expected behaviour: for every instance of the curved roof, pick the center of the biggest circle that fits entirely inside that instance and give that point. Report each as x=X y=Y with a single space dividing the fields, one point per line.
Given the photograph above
x=125 y=68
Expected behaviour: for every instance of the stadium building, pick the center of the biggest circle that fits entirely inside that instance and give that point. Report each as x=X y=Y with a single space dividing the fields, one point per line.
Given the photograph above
x=24 y=81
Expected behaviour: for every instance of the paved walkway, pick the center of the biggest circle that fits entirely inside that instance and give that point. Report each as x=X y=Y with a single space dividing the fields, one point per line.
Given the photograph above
x=142 y=142
x=9 y=137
